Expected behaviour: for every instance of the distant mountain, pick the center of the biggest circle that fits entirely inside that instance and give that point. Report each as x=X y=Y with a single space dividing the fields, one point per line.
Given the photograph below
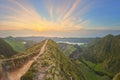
x=106 y=53
x=76 y=40
x=5 y=49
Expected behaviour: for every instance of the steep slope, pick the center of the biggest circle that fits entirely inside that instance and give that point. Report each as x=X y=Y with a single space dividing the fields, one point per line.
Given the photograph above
x=89 y=73
x=74 y=52
x=14 y=67
x=67 y=48
x=5 y=49
x=106 y=53
x=53 y=65
x=17 y=44
x=71 y=50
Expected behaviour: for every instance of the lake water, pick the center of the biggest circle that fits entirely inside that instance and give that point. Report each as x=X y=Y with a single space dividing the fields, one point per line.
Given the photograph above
x=71 y=43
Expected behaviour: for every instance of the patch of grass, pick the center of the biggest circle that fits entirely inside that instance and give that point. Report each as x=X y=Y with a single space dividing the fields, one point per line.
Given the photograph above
x=99 y=68
x=90 y=64
x=90 y=74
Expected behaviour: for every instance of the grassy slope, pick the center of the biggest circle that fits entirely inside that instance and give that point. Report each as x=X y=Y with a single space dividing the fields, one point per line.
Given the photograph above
x=90 y=74
x=105 y=53
x=5 y=49
x=67 y=48
x=88 y=70
x=33 y=49
x=17 y=63
x=15 y=44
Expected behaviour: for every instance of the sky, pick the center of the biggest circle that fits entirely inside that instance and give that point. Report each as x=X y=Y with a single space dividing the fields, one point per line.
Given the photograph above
x=59 y=18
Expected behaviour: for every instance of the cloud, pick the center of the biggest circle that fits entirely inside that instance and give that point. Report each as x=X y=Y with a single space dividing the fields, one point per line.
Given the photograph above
x=72 y=9
x=73 y=33
x=22 y=15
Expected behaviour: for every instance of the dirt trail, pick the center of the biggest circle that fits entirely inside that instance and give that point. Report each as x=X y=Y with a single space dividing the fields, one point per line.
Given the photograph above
x=16 y=75
x=116 y=76
x=41 y=73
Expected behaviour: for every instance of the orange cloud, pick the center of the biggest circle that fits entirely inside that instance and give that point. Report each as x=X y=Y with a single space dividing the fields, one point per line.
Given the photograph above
x=25 y=16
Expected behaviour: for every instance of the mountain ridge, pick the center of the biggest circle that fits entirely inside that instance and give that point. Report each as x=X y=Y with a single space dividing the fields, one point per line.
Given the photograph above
x=105 y=52
x=59 y=66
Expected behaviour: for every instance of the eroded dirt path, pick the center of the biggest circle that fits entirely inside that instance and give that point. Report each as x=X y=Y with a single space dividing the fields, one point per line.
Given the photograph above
x=16 y=75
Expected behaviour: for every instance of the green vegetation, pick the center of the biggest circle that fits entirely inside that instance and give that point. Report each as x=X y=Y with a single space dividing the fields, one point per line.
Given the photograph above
x=26 y=55
x=70 y=50
x=67 y=48
x=31 y=50
x=97 y=61
x=62 y=63
x=88 y=73
x=15 y=44
x=59 y=67
x=5 y=49
x=92 y=65
x=105 y=53
x=19 y=45
x=31 y=73
x=86 y=62
x=100 y=69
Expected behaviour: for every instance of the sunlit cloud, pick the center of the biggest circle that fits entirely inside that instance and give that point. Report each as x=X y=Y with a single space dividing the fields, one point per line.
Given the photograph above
x=22 y=15
x=72 y=9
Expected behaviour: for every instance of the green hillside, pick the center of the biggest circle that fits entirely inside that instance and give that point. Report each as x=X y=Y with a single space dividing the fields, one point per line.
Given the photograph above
x=59 y=67
x=86 y=67
x=5 y=49
x=105 y=53
x=89 y=73
x=67 y=48
x=71 y=50
x=17 y=44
